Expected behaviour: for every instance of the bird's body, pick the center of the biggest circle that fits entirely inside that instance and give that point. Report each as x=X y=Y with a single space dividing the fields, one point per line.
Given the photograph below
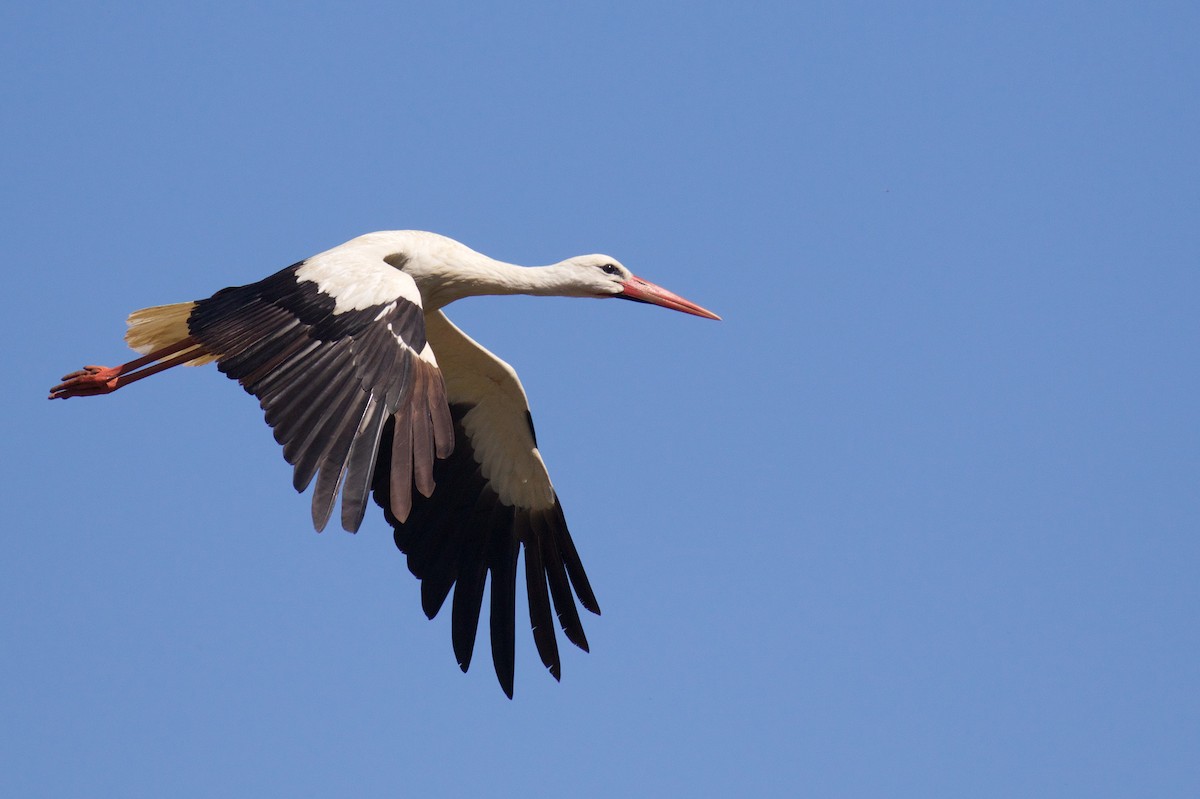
x=371 y=390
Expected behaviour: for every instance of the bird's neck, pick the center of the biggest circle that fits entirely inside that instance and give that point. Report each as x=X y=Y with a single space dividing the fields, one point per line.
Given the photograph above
x=485 y=276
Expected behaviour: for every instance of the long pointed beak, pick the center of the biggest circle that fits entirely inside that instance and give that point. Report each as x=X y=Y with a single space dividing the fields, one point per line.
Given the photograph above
x=640 y=290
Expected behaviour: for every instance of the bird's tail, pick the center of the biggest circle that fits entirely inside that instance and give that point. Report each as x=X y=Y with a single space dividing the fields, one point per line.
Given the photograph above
x=154 y=328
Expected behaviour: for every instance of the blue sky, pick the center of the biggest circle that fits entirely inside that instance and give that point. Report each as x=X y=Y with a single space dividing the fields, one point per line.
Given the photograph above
x=919 y=518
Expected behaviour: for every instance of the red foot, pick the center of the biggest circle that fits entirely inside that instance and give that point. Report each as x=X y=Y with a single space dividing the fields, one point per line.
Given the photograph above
x=89 y=381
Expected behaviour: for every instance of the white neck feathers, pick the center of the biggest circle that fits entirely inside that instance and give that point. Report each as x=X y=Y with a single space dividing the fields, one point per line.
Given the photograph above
x=445 y=270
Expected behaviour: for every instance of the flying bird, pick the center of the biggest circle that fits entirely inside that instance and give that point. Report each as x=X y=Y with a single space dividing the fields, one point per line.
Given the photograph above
x=372 y=391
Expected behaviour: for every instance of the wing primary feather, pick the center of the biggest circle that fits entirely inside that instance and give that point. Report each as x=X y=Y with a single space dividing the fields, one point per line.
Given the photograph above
x=314 y=359
x=301 y=388
x=294 y=350
x=323 y=432
x=422 y=432
x=504 y=609
x=570 y=557
x=299 y=417
x=439 y=564
x=400 y=477
x=541 y=620
x=360 y=468
x=444 y=549
x=258 y=344
x=488 y=514
x=374 y=352
x=442 y=422
x=242 y=328
x=400 y=386
x=333 y=463
x=560 y=587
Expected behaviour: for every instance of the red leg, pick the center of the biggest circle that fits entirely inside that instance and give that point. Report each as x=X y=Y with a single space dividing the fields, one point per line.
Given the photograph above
x=92 y=381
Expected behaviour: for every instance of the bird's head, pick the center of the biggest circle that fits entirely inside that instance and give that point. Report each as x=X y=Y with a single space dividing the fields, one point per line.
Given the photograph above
x=605 y=276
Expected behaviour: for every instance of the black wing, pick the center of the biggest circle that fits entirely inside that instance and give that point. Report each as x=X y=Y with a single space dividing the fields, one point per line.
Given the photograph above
x=493 y=498
x=329 y=382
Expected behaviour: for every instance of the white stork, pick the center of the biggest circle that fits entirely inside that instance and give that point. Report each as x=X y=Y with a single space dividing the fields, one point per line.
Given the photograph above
x=372 y=390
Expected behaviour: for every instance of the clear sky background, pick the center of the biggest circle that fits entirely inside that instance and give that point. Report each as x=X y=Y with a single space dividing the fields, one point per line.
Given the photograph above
x=920 y=518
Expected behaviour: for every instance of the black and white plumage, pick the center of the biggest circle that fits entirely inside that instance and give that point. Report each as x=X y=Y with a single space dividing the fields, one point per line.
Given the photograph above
x=372 y=391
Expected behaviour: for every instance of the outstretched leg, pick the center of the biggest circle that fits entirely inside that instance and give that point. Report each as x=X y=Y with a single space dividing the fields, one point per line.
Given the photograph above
x=91 y=381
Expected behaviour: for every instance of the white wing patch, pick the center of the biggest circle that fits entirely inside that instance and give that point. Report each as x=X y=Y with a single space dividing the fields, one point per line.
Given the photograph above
x=357 y=278
x=498 y=423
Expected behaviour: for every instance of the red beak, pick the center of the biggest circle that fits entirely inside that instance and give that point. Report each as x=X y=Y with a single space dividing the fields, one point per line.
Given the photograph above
x=640 y=290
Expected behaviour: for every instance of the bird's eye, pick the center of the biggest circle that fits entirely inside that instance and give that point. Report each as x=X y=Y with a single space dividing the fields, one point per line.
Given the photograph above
x=611 y=269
